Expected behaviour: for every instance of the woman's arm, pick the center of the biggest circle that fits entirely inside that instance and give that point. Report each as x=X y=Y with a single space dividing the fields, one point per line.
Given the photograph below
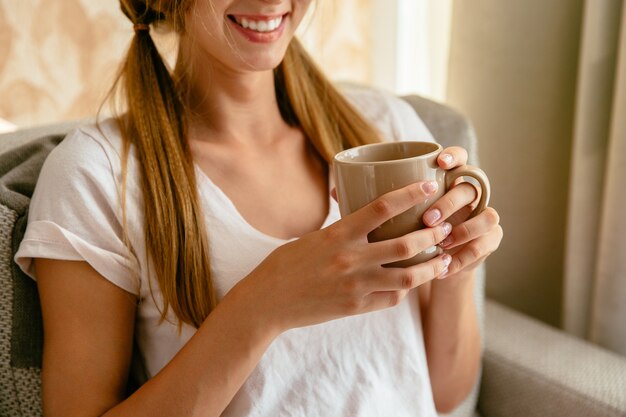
x=451 y=338
x=88 y=322
x=448 y=311
x=88 y=328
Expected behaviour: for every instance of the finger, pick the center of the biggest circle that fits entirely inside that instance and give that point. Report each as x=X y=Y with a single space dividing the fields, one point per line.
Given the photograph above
x=395 y=279
x=389 y=205
x=407 y=246
x=472 y=228
x=452 y=157
x=383 y=299
x=475 y=251
x=452 y=201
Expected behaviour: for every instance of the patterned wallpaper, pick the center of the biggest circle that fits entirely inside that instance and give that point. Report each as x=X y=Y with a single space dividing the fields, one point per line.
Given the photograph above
x=58 y=58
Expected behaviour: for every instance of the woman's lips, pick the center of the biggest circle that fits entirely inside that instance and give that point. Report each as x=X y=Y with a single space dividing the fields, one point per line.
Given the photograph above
x=261 y=29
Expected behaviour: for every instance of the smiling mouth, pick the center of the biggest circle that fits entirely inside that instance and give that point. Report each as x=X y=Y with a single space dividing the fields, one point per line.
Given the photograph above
x=258 y=25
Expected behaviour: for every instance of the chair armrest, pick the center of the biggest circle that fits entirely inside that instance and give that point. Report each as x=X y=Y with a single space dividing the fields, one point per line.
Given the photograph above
x=531 y=369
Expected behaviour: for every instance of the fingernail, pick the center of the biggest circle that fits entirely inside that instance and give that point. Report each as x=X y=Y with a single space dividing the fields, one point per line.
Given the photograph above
x=432 y=216
x=447 y=241
x=443 y=274
x=447 y=260
x=447 y=158
x=430 y=187
x=447 y=228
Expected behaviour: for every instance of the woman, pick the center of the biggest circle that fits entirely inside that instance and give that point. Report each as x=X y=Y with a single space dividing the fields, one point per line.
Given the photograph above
x=214 y=186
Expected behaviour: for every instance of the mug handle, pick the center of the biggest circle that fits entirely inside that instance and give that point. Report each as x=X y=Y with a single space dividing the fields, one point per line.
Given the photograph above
x=480 y=176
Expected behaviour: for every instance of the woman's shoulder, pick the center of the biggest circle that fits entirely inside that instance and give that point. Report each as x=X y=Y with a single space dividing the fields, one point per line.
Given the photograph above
x=89 y=148
x=393 y=116
x=98 y=137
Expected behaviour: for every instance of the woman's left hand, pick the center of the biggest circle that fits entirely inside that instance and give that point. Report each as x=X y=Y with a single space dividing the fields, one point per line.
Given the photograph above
x=471 y=240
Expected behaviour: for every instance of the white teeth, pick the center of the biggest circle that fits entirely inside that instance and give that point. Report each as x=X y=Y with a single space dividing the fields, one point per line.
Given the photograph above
x=260 y=25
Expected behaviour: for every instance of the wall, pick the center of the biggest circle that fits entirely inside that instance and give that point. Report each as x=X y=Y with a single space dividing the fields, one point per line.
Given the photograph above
x=58 y=58
x=512 y=70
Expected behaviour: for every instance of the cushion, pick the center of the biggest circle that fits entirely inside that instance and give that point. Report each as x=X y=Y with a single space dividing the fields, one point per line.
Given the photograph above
x=21 y=330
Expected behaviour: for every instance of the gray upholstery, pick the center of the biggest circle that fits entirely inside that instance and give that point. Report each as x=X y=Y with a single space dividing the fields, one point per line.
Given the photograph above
x=528 y=368
x=21 y=335
x=447 y=125
x=532 y=370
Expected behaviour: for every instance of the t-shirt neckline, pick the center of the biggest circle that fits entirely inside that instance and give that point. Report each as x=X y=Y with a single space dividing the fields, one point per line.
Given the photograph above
x=230 y=205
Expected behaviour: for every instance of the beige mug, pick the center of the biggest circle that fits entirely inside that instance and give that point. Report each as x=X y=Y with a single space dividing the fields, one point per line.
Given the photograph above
x=364 y=173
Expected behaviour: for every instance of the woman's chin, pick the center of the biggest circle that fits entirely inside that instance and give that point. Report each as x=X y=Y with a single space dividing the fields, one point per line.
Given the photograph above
x=261 y=63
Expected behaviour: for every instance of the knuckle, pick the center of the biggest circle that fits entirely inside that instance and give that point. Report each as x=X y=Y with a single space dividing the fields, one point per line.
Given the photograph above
x=436 y=268
x=351 y=286
x=408 y=280
x=403 y=248
x=395 y=297
x=495 y=242
x=464 y=232
x=492 y=215
x=333 y=233
x=435 y=236
x=382 y=208
x=353 y=305
x=475 y=250
x=448 y=204
x=343 y=261
x=414 y=194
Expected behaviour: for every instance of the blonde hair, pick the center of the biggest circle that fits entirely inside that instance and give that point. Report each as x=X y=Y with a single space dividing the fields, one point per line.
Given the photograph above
x=155 y=123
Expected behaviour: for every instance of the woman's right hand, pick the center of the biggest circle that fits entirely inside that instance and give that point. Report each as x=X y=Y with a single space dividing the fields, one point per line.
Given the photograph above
x=335 y=272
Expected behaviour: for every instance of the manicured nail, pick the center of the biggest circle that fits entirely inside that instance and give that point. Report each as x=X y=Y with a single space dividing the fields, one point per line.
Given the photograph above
x=430 y=187
x=447 y=158
x=447 y=242
x=432 y=216
x=443 y=274
x=447 y=228
x=447 y=260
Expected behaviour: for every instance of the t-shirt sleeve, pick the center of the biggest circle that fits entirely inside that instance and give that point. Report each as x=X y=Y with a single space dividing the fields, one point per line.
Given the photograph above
x=75 y=213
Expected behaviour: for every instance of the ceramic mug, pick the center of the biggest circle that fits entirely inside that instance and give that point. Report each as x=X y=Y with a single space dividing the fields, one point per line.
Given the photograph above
x=364 y=173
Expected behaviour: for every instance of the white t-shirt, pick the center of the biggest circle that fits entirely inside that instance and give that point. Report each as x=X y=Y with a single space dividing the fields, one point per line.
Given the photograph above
x=370 y=365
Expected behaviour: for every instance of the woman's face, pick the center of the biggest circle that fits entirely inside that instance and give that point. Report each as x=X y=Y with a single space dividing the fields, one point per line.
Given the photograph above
x=243 y=35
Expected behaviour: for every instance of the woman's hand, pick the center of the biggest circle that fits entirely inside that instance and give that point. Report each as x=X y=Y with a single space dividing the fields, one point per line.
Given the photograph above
x=336 y=272
x=471 y=241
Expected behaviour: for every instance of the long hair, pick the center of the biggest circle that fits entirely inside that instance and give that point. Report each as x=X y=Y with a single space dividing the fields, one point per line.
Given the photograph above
x=155 y=123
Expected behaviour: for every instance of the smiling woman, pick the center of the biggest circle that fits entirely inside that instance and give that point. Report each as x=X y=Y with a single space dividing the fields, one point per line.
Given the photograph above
x=213 y=26
x=198 y=223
